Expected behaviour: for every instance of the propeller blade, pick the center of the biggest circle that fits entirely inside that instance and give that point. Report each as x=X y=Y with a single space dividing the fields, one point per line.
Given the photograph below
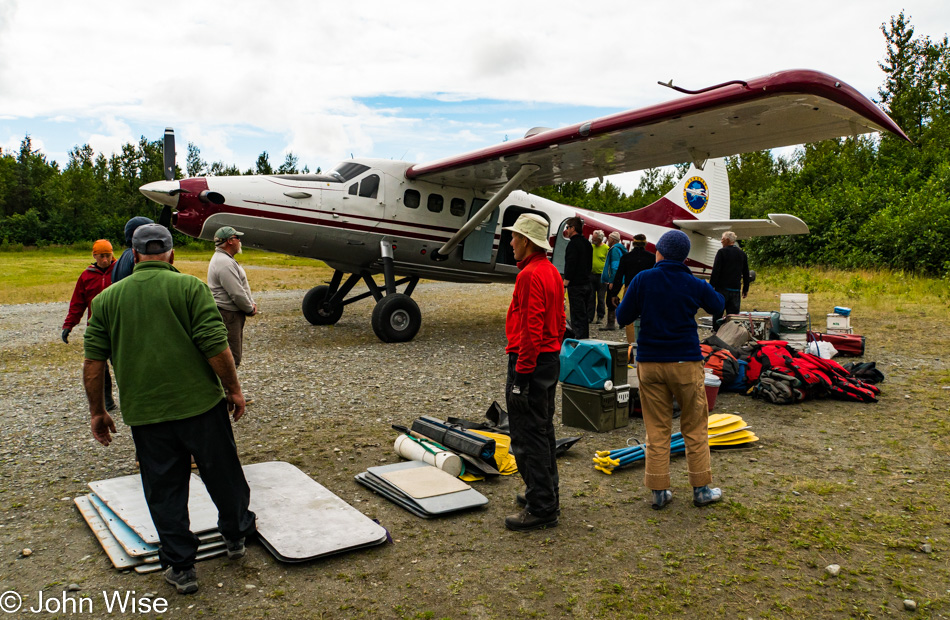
x=168 y=152
x=165 y=219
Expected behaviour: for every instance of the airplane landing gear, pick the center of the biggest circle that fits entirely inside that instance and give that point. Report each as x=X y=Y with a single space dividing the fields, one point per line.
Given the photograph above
x=317 y=307
x=396 y=317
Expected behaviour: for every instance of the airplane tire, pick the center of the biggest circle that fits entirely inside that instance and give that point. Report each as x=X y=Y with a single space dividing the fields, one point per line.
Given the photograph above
x=396 y=318
x=313 y=309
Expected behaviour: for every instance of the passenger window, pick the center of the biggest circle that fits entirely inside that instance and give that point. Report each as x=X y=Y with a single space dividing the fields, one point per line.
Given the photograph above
x=353 y=188
x=411 y=199
x=457 y=206
x=435 y=203
x=369 y=185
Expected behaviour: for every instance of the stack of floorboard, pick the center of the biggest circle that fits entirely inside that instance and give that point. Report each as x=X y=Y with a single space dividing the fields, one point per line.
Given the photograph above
x=117 y=514
x=420 y=488
x=297 y=518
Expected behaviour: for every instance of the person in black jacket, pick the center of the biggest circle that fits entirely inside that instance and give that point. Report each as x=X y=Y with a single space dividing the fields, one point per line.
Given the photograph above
x=578 y=261
x=631 y=263
x=730 y=271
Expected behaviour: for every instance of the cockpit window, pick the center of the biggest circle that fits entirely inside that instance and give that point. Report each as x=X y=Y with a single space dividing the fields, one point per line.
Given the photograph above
x=349 y=170
x=369 y=186
x=352 y=190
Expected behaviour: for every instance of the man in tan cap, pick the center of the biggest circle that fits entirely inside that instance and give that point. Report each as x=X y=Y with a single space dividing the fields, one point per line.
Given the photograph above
x=228 y=283
x=535 y=328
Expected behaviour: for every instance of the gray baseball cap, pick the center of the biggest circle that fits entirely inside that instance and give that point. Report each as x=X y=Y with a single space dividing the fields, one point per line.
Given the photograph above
x=151 y=239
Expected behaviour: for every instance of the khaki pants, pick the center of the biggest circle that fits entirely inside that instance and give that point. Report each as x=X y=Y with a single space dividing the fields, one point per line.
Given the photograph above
x=234 y=321
x=659 y=383
x=632 y=332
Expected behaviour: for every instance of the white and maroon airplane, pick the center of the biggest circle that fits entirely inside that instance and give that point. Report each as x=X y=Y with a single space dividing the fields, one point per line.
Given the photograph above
x=443 y=220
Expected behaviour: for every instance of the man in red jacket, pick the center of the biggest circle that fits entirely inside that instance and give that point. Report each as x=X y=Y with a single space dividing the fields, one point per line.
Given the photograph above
x=92 y=281
x=535 y=328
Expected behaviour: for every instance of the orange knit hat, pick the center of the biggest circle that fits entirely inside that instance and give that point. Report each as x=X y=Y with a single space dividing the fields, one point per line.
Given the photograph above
x=102 y=247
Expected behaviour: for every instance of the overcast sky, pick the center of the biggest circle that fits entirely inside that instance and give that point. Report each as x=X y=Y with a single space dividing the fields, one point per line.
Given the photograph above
x=403 y=80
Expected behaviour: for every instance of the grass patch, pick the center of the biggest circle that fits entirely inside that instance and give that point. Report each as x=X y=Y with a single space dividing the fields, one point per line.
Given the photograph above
x=40 y=275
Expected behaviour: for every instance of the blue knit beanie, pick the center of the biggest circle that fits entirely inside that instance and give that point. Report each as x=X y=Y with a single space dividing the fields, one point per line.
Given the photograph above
x=674 y=245
x=132 y=224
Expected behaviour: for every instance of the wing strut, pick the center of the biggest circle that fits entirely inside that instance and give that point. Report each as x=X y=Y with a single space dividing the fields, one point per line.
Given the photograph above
x=513 y=183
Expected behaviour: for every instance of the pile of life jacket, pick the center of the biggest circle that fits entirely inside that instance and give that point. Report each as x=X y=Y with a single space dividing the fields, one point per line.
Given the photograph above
x=781 y=375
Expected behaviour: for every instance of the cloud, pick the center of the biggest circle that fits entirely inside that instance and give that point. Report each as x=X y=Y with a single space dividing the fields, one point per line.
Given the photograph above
x=299 y=73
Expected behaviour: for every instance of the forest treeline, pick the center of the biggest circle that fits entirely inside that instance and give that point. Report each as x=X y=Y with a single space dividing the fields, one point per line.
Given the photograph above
x=870 y=201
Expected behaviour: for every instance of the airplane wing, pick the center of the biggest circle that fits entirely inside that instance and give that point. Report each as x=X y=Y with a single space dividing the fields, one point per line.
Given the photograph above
x=780 y=109
x=777 y=224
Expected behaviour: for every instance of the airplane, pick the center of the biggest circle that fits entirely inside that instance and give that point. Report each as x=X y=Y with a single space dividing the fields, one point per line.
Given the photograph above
x=444 y=220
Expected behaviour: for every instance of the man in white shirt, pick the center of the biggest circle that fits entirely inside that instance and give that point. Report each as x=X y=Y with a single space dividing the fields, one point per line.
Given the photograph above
x=228 y=283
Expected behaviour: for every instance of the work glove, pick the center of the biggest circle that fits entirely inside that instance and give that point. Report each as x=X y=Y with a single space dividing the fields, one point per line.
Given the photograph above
x=522 y=379
x=66 y=335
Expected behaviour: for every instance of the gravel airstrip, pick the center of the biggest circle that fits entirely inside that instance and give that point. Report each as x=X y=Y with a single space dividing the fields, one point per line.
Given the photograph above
x=858 y=486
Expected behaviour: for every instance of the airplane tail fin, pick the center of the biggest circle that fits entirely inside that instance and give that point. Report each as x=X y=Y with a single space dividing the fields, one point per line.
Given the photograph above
x=699 y=195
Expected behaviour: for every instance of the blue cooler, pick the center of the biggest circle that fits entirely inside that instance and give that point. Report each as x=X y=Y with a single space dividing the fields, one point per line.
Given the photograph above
x=586 y=363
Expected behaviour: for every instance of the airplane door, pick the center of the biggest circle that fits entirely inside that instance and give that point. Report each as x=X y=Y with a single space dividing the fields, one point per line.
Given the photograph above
x=479 y=245
x=560 y=248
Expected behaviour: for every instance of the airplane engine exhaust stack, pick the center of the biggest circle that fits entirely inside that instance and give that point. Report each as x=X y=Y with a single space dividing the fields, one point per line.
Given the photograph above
x=207 y=196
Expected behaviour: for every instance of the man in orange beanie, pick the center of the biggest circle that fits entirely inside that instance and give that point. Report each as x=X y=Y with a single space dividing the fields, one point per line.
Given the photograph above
x=92 y=281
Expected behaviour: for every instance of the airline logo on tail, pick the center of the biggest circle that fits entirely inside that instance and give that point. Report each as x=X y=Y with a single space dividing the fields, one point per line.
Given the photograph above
x=696 y=194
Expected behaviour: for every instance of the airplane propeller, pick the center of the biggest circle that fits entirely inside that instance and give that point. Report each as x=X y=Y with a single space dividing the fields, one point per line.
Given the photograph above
x=168 y=153
x=168 y=161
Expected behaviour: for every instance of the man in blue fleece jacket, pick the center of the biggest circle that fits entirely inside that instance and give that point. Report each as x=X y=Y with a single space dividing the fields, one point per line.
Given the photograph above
x=670 y=364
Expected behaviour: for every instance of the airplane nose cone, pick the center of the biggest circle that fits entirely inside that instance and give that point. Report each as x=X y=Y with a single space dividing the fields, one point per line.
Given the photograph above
x=162 y=192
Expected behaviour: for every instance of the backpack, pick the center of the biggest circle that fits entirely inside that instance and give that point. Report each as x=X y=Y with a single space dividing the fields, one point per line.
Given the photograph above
x=721 y=362
x=865 y=371
x=741 y=383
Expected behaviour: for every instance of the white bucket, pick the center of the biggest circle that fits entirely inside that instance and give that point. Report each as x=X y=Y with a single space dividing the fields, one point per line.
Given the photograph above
x=449 y=462
x=793 y=307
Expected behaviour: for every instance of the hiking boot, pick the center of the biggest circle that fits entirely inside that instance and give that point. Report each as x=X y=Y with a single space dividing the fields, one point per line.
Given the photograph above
x=703 y=496
x=236 y=548
x=662 y=498
x=522 y=501
x=185 y=581
x=524 y=521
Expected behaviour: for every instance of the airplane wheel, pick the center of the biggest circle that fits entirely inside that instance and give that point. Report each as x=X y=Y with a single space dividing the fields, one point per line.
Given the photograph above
x=396 y=318
x=314 y=311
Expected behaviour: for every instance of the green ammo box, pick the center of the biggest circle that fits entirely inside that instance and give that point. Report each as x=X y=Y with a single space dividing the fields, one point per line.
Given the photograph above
x=595 y=410
x=618 y=355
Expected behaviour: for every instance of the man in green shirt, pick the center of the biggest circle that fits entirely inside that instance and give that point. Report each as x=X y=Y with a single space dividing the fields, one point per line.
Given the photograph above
x=170 y=354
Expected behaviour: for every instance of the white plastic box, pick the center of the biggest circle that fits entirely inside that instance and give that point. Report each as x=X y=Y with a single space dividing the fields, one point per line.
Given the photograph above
x=837 y=321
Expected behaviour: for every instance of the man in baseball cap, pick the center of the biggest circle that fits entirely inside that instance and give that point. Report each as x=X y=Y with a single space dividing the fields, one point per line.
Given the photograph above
x=534 y=327
x=177 y=385
x=232 y=293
